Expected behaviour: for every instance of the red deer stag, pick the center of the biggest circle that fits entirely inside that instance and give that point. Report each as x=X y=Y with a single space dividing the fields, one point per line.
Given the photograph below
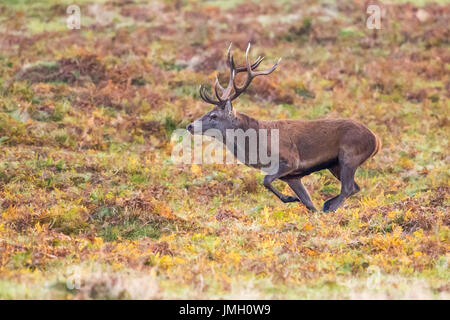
x=339 y=145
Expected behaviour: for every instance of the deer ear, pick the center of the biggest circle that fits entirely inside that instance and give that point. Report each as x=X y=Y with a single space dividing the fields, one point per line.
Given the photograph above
x=229 y=109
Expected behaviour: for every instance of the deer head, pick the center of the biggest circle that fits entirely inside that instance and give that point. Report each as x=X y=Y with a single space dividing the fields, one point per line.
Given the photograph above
x=222 y=116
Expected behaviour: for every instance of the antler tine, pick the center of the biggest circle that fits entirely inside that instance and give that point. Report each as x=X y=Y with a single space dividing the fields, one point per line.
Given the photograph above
x=200 y=90
x=218 y=86
x=247 y=60
x=230 y=63
x=243 y=68
x=206 y=96
x=268 y=71
x=226 y=92
x=248 y=68
x=229 y=56
x=254 y=65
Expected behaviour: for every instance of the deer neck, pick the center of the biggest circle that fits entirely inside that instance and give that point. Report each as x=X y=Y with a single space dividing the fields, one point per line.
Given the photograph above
x=244 y=122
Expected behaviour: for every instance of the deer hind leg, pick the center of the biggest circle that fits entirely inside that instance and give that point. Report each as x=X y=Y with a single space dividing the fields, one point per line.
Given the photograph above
x=348 y=186
x=268 y=184
x=301 y=192
x=336 y=171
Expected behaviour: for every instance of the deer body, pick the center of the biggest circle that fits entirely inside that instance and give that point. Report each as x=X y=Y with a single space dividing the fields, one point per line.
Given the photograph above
x=339 y=145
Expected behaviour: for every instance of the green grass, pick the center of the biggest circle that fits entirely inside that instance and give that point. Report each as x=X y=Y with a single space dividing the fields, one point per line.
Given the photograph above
x=88 y=189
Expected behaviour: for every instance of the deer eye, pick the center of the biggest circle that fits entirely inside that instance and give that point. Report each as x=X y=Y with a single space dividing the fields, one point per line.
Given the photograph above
x=214 y=116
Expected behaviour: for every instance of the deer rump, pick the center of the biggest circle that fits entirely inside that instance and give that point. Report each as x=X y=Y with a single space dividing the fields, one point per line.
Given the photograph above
x=310 y=146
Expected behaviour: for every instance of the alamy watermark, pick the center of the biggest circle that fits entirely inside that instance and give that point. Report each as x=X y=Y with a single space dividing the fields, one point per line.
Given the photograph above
x=374 y=19
x=100 y=14
x=257 y=148
x=74 y=19
x=104 y=17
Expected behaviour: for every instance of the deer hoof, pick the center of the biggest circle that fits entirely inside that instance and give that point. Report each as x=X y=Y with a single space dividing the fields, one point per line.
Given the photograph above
x=328 y=206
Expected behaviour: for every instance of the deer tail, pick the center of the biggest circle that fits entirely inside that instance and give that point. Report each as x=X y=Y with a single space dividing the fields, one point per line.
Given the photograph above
x=377 y=145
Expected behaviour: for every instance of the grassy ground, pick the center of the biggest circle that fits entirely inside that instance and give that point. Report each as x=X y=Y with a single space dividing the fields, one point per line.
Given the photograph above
x=91 y=205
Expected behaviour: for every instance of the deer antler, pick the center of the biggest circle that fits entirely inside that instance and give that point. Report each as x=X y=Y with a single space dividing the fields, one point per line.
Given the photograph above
x=251 y=75
x=224 y=94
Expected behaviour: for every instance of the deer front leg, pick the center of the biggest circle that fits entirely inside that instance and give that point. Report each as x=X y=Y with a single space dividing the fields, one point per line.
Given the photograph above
x=301 y=192
x=268 y=184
